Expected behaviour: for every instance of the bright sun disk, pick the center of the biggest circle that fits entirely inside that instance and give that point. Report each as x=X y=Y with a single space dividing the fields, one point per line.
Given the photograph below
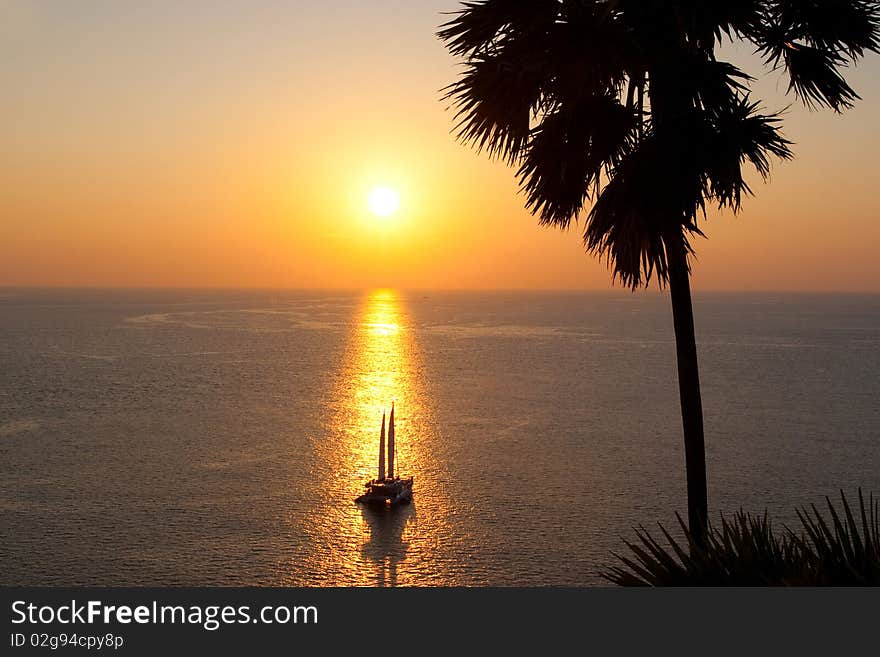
x=383 y=201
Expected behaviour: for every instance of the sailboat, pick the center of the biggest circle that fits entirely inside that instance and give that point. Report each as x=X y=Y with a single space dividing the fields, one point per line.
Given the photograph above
x=387 y=490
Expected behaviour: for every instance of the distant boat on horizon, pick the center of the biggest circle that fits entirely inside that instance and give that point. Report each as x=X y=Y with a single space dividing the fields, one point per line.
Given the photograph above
x=387 y=490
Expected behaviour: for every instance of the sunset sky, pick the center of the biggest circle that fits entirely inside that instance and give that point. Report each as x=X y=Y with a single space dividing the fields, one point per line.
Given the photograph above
x=235 y=144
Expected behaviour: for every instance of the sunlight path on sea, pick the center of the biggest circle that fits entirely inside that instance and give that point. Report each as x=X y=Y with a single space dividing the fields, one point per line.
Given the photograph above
x=354 y=546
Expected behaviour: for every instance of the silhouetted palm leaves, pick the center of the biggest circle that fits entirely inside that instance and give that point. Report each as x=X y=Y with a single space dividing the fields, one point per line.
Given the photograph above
x=813 y=41
x=577 y=93
x=840 y=550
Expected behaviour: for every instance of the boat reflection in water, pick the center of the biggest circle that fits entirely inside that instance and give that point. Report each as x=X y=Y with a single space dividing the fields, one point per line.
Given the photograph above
x=351 y=544
x=386 y=547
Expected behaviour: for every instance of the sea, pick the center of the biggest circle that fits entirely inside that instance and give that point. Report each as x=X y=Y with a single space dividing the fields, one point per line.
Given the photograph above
x=203 y=437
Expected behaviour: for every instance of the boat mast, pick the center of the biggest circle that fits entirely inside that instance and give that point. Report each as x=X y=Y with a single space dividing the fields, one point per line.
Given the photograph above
x=391 y=444
x=382 y=449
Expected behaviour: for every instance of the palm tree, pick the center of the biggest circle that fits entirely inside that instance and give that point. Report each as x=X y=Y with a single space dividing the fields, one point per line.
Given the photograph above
x=624 y=105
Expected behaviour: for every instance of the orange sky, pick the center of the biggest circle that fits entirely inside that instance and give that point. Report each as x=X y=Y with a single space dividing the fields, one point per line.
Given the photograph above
x=234 y=145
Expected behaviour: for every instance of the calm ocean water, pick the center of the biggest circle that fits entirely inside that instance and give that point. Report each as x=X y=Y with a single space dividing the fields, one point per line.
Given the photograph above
x=171 y=437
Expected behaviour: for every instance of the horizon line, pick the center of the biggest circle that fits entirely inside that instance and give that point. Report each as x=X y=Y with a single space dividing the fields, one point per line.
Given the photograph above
x=247 y=288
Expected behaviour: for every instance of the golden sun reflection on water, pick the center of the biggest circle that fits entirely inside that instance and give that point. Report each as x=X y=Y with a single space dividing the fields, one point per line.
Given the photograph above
x=351 y=545
x=382 y=374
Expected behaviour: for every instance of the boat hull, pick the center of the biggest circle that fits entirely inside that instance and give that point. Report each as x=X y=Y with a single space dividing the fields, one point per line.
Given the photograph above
x=388 y=492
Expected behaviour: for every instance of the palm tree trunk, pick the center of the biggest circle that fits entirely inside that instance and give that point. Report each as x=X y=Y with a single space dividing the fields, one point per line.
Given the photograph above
x=689 y=388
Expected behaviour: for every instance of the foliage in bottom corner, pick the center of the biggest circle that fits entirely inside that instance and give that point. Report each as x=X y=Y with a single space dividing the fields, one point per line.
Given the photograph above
x=842 y=549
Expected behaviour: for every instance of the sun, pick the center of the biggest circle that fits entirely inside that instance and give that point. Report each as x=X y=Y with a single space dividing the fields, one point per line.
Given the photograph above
x=383 y=201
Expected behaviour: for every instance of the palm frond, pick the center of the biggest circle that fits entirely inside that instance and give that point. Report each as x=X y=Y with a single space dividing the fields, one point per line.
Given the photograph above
x=815 y=40
x=480 y=23
x=815 y=77
x=843 y=27
x=689 y=79
x=746 y=551
x=653 y=195
x=846 y=551
x=741 y=134
x=495 y=99
x=706 y=22
x=590 y=50
x=568 y=152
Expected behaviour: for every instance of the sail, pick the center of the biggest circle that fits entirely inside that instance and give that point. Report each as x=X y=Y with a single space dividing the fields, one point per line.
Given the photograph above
x=391 y=444
x=382 y=448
